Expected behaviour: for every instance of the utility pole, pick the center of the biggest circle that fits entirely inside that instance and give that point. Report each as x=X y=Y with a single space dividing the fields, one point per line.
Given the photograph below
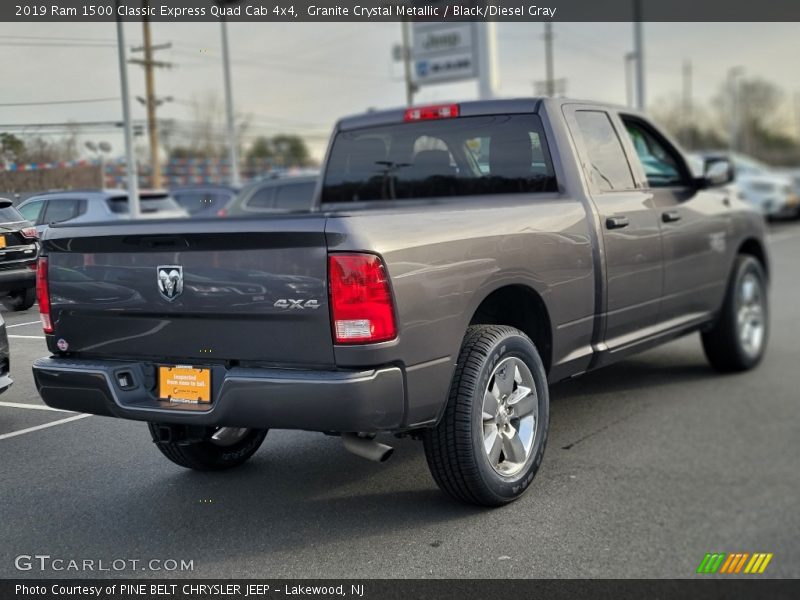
x=151 y=102
x=688 y=118
x=406 y=50
x=548 y=59
x=130 y=157
x=638 y=48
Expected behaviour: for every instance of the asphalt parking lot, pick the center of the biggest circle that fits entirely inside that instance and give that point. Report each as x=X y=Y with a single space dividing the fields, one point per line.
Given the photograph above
x=650 y=464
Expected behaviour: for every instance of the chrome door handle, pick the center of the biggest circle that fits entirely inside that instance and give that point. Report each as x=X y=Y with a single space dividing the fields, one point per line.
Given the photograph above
x=671 y=216
x=617 y=222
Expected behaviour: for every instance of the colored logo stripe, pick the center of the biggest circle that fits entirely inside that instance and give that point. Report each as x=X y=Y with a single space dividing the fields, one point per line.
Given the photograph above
x=734 y=563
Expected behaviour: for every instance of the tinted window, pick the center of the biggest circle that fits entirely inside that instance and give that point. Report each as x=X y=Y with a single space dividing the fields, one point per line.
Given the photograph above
x=197 y=201
x=659 y=162
x=262 y=198
x=608 y=167
x=60 y=210
x=295 y=196
x=9 y=214
x=148 y=204
x=501 y=154
x=31 y=211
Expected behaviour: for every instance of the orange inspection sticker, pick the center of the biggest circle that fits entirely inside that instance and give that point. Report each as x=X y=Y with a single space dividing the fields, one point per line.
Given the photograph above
x=184 y=384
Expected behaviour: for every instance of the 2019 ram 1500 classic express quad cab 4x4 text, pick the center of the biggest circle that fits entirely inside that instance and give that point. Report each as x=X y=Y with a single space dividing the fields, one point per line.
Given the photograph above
x=457 y=259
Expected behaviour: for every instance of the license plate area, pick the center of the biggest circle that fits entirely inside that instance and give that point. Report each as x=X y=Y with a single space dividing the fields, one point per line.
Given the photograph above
x=184 y=384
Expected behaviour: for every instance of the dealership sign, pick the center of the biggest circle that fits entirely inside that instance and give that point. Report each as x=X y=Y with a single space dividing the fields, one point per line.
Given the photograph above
x=444 y=52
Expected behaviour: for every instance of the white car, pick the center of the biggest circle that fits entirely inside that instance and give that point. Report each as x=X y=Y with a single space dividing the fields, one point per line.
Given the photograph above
x=771 y=192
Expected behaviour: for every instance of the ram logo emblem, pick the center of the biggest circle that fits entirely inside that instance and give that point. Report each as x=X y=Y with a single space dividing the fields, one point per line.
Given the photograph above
x=170 y=281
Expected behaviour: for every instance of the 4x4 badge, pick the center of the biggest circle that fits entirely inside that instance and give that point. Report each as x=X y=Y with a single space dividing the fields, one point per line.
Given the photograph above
x=170 y=281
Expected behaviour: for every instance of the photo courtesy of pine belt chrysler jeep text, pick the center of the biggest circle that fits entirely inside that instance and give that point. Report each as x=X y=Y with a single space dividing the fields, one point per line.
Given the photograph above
x=457 y=259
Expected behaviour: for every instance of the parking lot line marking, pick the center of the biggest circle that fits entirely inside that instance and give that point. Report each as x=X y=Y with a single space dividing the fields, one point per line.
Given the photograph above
x=22 y=324
x=5 y=436
x=26 y=337
x=33 y=406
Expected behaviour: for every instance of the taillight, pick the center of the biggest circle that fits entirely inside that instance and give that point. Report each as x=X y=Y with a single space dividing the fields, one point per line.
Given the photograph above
x=29 y=233
x=426 y=113
x=361 y=302
x=43 y=295
x=222 y=212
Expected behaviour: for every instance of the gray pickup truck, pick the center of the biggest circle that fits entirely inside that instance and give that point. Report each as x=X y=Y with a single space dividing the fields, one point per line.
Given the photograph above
x=457 y=260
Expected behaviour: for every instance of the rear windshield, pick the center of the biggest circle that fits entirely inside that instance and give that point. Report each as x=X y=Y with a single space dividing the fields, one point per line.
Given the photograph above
x=467 y=156
x=9 y=214
x=149 y=203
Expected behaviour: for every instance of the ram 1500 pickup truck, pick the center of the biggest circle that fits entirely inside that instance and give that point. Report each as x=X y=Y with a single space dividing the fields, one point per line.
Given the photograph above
x=458 y=258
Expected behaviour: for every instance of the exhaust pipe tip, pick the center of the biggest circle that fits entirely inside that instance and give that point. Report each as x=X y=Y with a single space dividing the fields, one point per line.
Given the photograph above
x=367 y=447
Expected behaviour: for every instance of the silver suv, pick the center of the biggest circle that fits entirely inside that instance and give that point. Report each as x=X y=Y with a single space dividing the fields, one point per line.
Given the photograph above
x=95 y=206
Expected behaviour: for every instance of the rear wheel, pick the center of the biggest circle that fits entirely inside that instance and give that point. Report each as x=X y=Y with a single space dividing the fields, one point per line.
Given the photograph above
x=738 y=340
x=490 y=441
x=214 y=450
x=20 y=299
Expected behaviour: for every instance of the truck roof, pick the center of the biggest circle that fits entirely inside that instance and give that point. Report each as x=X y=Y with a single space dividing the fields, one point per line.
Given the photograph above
x=471 y=108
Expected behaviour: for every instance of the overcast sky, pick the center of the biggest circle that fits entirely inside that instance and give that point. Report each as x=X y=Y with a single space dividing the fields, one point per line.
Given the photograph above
x=299 y=78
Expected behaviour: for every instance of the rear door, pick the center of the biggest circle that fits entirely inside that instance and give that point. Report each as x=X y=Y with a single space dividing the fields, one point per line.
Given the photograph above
x=629 y=223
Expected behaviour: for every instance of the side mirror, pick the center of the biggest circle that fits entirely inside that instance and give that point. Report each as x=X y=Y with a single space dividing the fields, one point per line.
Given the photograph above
x=717 y=172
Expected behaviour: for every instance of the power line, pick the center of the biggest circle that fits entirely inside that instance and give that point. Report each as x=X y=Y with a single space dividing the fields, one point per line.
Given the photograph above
x=59 y=102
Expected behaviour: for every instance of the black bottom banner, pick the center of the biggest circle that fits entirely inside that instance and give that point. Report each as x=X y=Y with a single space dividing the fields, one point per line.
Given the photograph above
x=438 y=589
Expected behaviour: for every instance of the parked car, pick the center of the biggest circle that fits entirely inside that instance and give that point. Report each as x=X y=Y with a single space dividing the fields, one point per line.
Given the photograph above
x=456 y=260
x=273 y=194
x=203 y=200
x=771 y=192
x=95 y=206
x=19 y=248
x=5 y=358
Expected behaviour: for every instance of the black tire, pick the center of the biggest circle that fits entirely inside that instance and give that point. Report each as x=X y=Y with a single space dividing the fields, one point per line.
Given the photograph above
x=723 y=343
x=20 y=299
x=206 y=455
x=455 y=447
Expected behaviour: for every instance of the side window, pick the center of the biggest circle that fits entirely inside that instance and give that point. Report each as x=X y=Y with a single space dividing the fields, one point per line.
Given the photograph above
x=296 y=196
x=62 y=210
x=608 y=168
x=659 y=161
x=261 y=199
x=31 y=211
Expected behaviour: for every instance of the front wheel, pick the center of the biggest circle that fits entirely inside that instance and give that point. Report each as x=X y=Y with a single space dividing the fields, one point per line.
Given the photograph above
x=738 y=340
x=20 y=299
x=219 y=448
x=489 y=444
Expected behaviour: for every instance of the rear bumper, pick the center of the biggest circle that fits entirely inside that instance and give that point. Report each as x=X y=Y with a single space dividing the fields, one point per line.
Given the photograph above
x=336 y=401
x=18 y=278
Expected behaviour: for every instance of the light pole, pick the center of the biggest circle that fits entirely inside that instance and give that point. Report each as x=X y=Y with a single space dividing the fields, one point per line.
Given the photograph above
x=100 y=150
x=638 y=49
x=233 y=151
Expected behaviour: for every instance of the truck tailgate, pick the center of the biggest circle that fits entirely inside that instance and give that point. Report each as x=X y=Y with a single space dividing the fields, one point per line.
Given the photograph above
x=205 y=291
